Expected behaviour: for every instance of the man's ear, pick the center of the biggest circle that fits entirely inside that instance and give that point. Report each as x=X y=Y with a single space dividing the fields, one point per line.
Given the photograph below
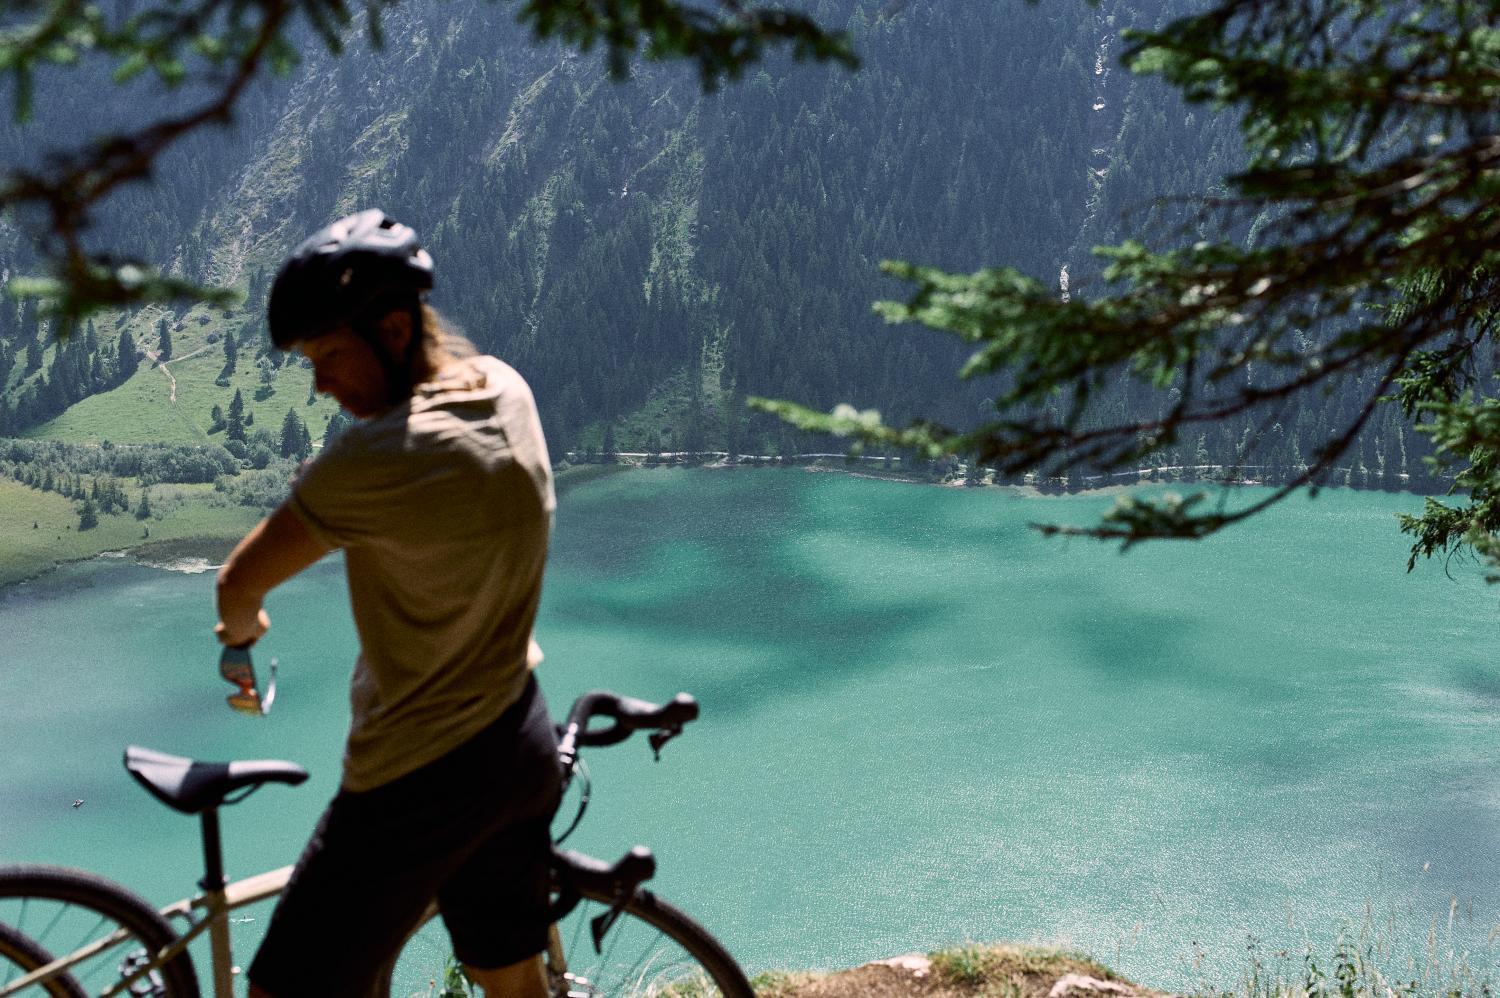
x=395 y=332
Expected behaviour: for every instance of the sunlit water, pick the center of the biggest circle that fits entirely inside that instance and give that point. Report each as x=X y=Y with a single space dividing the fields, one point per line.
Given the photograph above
x=923 y=723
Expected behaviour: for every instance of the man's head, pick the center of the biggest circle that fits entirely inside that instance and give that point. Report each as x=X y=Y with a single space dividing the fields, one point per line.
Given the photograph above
x=355 y=370
x=358 y=284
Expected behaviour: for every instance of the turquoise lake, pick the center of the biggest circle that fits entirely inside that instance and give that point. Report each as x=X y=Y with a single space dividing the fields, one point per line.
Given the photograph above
x=923 y=723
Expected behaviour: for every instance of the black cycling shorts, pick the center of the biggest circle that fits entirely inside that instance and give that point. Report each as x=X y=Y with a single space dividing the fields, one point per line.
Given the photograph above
x=470 y=830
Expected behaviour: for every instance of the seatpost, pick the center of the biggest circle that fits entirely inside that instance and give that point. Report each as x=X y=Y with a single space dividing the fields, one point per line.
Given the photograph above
x=213 y=853
x=213 y=883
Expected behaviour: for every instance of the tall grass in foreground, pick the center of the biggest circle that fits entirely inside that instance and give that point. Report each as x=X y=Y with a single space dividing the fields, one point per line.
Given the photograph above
x=1369 y=959
x=1374 y=958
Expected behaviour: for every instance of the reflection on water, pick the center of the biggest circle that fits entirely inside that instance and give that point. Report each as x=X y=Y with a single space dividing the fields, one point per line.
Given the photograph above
x=923 y=723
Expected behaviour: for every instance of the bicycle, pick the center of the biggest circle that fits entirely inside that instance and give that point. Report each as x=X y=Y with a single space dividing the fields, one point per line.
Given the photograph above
x=66 y=933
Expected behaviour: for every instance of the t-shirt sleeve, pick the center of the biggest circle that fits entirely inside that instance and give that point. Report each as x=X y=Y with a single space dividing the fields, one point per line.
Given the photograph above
x=332 y=495
x=370 y=485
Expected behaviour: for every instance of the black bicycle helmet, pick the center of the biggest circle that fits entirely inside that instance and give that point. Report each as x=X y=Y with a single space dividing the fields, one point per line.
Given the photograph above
x=340 y=271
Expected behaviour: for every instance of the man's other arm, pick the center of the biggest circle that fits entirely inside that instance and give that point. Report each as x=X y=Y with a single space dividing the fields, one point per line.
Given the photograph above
x=276 y=549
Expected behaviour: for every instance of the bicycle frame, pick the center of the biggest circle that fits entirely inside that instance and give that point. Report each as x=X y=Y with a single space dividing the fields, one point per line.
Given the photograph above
x=206 y=912
x=209 y=912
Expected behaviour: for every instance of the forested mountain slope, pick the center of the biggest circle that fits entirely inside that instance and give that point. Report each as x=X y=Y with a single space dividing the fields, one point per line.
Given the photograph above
x=645 y=254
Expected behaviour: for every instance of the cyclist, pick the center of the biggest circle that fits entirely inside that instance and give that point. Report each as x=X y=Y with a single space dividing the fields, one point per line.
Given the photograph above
x=441 y=499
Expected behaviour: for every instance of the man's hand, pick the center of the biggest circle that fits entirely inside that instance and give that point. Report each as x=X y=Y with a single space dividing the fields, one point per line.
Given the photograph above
x=243 y=631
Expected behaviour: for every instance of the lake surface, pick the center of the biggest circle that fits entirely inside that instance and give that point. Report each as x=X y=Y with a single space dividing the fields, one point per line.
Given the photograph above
x=923 y=723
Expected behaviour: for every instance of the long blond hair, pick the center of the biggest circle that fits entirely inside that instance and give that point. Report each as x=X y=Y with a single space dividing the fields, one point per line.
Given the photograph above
x=442 y=341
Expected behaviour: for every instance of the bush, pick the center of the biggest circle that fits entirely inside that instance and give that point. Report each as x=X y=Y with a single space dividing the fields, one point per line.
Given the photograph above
x=186 y=465
x=263 y=488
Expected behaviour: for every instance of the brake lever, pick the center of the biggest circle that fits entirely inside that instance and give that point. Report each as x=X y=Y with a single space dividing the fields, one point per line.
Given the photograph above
x=600 y=925
x=660 y=737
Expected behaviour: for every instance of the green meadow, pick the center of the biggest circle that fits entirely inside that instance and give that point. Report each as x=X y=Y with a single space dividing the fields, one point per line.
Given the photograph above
x=40 y=529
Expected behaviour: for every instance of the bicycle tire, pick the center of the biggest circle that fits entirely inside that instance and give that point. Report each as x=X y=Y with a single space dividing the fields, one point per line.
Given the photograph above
x=62 y=909
x=651 y=929
x=20 y=955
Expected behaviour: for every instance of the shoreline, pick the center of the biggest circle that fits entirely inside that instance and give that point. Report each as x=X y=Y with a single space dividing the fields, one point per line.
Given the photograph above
x=189 y=555
x=205 y=551
x=955 y=475
x=195 y=555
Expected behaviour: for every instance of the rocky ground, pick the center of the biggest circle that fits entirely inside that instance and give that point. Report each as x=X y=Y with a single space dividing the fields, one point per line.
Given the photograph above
x=967 y=972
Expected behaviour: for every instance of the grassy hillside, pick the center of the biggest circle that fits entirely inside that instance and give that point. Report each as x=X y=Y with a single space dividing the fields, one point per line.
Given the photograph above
x=144 y=409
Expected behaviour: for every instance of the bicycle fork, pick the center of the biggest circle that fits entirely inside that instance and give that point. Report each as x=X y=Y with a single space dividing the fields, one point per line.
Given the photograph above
x=620 y=880
x=557 y=966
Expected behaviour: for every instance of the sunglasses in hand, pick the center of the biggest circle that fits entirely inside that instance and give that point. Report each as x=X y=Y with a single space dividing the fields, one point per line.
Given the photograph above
x=235 y=666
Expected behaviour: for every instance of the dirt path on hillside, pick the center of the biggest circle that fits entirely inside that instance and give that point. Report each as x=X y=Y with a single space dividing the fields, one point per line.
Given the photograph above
x=162 y=366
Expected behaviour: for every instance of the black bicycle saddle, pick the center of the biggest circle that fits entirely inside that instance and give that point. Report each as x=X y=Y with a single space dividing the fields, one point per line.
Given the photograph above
x=190 y=786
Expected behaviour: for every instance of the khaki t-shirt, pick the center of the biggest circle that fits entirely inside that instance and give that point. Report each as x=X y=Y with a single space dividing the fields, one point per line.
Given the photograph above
x=443 y=508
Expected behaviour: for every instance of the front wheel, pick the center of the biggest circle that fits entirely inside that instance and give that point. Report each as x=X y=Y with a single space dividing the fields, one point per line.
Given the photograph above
x=108 y=933
x=652 y=950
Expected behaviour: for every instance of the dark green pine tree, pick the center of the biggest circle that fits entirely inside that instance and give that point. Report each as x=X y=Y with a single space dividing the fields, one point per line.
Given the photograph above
x=337 y=423
x=234 y=422
x=33 y=353
x=88 y=516
x=164 y=341
x=231 y=354
x=295 y=440
x=128 y=358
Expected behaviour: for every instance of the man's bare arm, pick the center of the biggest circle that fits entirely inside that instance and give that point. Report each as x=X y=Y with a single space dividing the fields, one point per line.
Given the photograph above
x=276 y=549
